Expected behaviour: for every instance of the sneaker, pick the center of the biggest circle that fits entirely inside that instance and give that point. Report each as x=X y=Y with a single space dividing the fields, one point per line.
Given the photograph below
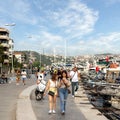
x=73 y=96
x=75 y=93
x=50 y=111
x=63 y=112
x=54 y=111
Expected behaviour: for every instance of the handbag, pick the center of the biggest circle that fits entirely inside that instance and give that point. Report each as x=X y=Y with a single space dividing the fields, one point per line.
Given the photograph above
x=51 y=93
x=69 y=91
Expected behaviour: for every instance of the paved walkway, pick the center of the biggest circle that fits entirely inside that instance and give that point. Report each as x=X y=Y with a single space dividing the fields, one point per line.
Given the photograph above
x=8 y=98
x=78 y=108
x=15 y=104
x=41 y=110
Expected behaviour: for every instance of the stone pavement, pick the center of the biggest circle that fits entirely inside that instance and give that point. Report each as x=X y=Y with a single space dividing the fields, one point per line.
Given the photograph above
x=15 y=104
x=41 y=110
x=8 y=98
x=78 y=108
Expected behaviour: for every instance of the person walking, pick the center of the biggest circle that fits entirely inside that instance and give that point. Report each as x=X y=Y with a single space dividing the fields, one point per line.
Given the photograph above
x=4 y=77
x=74 y=75
x=18 y=76
x=24 y=76
x=51 y=89
x=63 y=85
x=40 y=74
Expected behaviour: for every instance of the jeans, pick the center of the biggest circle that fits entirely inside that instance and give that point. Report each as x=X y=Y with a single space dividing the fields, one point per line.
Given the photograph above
x=63 y=93
x=74 y=87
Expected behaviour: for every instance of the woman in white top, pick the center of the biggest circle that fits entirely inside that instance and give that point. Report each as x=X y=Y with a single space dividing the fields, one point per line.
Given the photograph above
x=52 y=86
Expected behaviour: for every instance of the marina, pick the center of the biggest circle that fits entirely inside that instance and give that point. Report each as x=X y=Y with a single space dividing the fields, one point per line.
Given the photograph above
x=103 y=90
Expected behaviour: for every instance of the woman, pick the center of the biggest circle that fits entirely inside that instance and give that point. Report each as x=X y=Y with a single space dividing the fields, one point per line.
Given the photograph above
x=18 y=76
x=63 y=85
x=52 y=88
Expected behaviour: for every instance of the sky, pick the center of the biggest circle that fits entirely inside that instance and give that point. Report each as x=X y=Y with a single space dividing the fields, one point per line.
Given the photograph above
x=63 y=27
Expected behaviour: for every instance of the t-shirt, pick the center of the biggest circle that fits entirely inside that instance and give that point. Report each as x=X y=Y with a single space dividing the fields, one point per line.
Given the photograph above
x=74 y=76
x=23 y=73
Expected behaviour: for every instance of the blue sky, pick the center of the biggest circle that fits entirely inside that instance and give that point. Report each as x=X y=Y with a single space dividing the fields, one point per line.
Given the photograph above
x=86 y=26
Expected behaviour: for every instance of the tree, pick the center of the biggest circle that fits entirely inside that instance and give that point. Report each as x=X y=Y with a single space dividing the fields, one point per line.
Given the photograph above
x=1 y=54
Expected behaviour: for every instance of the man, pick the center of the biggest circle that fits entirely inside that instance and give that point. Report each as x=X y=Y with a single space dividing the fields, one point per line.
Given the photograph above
x=24 y=76
x=74 y=75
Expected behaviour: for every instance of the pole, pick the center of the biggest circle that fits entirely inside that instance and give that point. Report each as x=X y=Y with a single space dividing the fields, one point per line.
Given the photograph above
x=65 y=53
x=40 y=60
x=12 y=59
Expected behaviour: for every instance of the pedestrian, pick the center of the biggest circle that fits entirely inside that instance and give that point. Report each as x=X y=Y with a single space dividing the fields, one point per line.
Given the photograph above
x=24 y=76
x=63 y=85
x=18 y=76
x=4 y=77
x=40 y=74
x=74 y=76
x=51 y=89
x=59 y=73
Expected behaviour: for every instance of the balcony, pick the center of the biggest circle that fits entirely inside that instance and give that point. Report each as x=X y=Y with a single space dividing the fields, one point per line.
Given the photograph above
x=4 y=37
x=6 y=61
x=5 y=45
x=6 y=53
x=4 y=30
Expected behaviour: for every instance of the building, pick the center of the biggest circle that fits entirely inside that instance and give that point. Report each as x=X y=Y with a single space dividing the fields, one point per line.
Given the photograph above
x=20 y=56
x=7 y=45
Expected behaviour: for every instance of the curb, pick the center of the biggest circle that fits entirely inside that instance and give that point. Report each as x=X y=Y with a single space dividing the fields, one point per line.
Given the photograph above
x=24 y=108
x=86 y=108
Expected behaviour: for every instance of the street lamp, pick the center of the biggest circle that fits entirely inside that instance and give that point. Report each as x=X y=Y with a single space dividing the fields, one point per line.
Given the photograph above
x=12 y=56
x=40 y=60
x=13 y=24
x=65 y=51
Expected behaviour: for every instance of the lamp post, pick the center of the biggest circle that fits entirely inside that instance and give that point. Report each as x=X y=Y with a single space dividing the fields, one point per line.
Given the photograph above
x=12 y=57
x=40 y=60
x=65 y=51
x=13 y=24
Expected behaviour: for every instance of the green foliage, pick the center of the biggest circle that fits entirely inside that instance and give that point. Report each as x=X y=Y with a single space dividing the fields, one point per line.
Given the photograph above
x=1 y=54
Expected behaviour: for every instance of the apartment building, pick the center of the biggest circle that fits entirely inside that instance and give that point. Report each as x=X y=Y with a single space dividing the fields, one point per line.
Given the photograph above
x=7 y=45
x=20 y=56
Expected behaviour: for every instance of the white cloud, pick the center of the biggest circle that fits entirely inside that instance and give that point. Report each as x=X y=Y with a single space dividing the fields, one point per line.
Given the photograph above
x=76 y=19
x=101 y=44
x=73 y=22
x=18 y=10
x=55 y=21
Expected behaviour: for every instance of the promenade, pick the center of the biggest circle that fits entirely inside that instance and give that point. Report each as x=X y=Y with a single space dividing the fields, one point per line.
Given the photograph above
x=9 y=94
x=17 y=102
